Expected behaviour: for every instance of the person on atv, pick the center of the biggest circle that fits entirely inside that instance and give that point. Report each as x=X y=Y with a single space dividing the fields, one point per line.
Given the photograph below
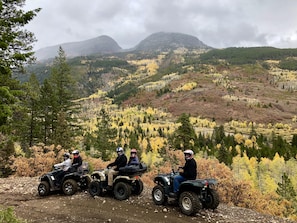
x=113 y=168
x=77 y=161
x=65 y=166
x=133 y=160
x=187 y=172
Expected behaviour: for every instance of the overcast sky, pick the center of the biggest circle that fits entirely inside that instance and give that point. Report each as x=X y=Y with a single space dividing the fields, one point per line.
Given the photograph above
x=217 y=23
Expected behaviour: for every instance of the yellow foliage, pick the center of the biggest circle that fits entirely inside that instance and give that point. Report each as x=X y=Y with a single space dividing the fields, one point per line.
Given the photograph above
x=239 y=138
x=186 y=87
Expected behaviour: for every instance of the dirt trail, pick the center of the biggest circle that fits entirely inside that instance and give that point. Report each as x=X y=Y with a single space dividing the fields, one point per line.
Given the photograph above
x=21 y=193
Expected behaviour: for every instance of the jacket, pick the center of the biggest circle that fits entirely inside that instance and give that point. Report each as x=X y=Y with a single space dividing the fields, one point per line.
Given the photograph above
x=65 y=165
x=190 y=169
x=120 y=161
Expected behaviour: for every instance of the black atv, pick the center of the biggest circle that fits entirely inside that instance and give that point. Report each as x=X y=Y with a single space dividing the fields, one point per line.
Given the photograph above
x=70 y=183
x=192 y=196
x=127 y=182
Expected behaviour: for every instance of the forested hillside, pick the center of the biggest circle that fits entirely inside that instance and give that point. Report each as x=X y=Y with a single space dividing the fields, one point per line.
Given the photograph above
x=240 y=120
x=235 y=108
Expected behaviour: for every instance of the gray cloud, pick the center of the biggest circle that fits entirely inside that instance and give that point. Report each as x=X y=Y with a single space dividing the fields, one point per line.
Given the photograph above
x=218 y=23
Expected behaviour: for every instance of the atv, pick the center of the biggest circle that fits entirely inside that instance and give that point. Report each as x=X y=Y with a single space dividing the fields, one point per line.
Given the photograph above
x=70 y=183
x=127 y=182
x=192 y=196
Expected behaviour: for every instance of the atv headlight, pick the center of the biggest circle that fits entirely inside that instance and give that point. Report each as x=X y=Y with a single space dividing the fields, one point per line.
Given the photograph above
x=52 y=177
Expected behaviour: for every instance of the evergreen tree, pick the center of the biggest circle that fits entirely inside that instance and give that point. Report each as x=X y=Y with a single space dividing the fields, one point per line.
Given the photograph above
x=47 y=106
x=133 y=142
x=28 y=126
x=294 y=141
x=223 y=155
x=285 y=188
x=218 y=134
x=15 y=51
x=105 y=135
x=64 y=123
x=185 y=137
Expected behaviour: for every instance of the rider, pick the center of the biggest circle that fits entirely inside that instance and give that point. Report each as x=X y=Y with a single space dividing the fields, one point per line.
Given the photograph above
x=187 y=172
x=77 y=160
x=65 y=165
x=133 y=160
x=113 y=168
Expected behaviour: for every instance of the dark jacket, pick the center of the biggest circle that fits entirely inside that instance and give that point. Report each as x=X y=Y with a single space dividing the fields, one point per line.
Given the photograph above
x=190 y=170
x=133 y=161
x=77 y=162
x=120 y=161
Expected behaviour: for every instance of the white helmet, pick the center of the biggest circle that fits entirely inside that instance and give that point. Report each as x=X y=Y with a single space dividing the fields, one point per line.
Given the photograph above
x=66 y=155
x=75 y=152
x=120 y=149
x=188 y=153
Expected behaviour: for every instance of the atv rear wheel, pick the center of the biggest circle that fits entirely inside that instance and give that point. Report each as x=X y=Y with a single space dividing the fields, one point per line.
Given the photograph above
x=85 y=182
x=137 y=187
x=189 y=203
x=158 y=195
x=95 y=189
x=69 y=187
x=212 y=200
x=122 y=191
x=43 y=188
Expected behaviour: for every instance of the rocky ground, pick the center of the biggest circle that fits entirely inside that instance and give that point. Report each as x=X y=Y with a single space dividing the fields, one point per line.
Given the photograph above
x=21 y=194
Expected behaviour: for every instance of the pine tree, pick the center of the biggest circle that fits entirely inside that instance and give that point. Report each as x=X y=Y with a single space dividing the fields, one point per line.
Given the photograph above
x=64 y=123
x=285 y=188
x=184 y=136
x=28 y=126
x=15 y=51
x=105 y=135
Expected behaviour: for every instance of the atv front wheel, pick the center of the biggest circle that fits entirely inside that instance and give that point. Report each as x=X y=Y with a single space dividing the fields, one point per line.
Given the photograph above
x=137 y=187
x=158 y=195
x=43 y=188
x=69 y=187
x=189 y=203
x=95 y=189
x=122 y=191
x=212 y=200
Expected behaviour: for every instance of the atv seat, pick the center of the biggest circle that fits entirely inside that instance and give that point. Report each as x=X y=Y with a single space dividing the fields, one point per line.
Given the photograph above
x=133 y=170
x=84 y=168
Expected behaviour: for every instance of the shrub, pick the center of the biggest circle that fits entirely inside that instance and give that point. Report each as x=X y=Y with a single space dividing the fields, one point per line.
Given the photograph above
x=7 y=215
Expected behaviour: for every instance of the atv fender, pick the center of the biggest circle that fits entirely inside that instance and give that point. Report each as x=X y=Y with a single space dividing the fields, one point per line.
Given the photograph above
x=123 y=178
x=163 y=181
x=99 y=175
x=48 y=179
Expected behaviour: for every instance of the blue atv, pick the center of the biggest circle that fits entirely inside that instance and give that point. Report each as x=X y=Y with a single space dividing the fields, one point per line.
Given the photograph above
x=192 y=196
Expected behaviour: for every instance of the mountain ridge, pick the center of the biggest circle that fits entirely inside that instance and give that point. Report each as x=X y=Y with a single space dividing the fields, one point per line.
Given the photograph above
x=101 y=44
x=106 y=45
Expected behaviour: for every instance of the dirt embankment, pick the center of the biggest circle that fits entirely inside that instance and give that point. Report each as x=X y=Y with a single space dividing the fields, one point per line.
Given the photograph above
x=21 y=194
